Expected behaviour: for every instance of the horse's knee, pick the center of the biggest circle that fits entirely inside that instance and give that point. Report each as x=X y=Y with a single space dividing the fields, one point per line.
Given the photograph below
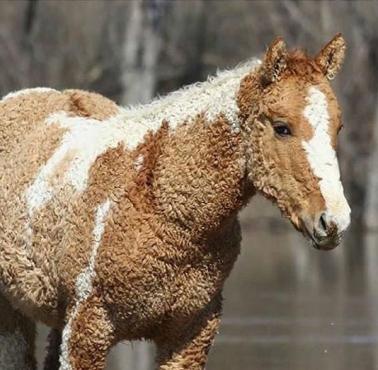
x=87 y=337
x=190 y=351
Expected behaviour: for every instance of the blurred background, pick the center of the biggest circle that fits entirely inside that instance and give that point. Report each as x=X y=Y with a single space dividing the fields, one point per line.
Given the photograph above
x=287 y=306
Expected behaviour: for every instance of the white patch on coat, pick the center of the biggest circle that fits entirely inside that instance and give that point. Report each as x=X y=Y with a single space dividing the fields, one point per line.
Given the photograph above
x=84 y=283
x=138 y=163
x=32 y=90
x=86 y=139
x=215 y=96
x=13 y=348
x=323 y=160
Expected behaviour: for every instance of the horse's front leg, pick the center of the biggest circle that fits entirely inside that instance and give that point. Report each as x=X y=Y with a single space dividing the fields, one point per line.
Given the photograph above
x=17 y=336
x=190 y=352
x=87 y=336
x=53 y=349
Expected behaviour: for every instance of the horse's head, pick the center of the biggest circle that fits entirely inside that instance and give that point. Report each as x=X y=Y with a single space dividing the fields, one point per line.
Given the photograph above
x=291 y=120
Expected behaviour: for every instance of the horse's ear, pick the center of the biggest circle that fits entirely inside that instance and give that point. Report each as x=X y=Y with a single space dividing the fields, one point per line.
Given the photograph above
x=331 y=57
x=274 y=61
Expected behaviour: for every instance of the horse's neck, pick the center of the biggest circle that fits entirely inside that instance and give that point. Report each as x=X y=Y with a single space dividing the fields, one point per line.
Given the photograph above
x=213 y=97
x=193 y=154
x=197 y=173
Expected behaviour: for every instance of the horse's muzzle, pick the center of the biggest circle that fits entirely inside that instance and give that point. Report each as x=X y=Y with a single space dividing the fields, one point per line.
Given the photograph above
x=322 y=232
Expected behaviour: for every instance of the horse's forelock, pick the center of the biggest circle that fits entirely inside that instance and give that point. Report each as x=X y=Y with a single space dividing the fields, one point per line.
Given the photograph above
x=300 y=64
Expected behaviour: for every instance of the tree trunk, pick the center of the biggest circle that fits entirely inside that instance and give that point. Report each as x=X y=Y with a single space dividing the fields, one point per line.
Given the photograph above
x=140 y=55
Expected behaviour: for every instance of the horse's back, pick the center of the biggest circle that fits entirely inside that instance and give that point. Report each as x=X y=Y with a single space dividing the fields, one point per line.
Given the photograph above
x=27 y=141
x=21 y=112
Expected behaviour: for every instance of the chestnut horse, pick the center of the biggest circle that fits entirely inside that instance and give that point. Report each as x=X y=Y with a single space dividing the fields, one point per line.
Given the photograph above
x=121 y=223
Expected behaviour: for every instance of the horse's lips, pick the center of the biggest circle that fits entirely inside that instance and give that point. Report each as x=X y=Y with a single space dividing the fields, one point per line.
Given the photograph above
x=325 y=243
x=325 y=246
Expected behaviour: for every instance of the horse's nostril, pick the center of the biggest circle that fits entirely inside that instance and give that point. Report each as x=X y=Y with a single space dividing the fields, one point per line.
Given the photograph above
x=322 y=222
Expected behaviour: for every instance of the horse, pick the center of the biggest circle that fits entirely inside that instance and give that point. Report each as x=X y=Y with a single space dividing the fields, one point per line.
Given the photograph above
x=121 y=223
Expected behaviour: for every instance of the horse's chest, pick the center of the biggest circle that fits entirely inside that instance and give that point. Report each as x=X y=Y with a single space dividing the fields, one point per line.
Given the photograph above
x=195 y=287
x=196 y=283
x=173 y=290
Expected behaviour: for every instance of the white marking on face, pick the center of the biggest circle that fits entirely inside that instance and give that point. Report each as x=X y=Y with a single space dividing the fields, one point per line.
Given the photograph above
x=86 y=138
x=84 y=283
x=323 y=160
x=32 y=90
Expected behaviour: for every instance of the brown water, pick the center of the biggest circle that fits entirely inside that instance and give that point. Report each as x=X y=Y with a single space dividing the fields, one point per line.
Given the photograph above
x=288 y=306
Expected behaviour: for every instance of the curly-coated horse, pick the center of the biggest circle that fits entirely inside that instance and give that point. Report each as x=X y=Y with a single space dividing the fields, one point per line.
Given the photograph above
x=121 y=223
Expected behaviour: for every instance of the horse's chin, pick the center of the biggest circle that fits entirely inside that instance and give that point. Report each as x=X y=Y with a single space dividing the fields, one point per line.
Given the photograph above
x=325 y=246
x=324 y=243
x=321 y=243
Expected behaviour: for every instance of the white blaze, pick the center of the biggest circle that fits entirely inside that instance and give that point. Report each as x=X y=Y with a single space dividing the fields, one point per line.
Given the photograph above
x=323 y=160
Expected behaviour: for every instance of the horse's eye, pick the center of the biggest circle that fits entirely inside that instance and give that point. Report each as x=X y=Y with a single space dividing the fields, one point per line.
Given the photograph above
x=281 y=129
